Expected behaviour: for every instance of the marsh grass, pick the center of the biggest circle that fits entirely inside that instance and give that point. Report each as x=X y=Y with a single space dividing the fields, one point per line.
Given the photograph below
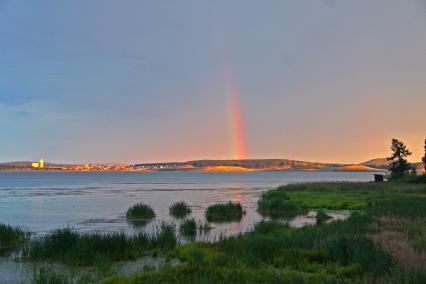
x=277 y=253
x=179 y=209
x=355 y=250
x=276 y=208
x=224 y=212
x=11 y=237
x=81 y=249
x=45 y=275
x=322 y=217
x=204 y=228
x=140 y=213
x=188 y=227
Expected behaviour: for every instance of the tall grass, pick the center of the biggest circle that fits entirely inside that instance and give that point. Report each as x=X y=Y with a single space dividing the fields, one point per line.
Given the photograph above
x=276 y=208
x=70 y=247
x=179 y=209
x=45 y=275
x=335 y=252
x=188 y=227
x=140 y=213
x=11 y=237
x=225 y=212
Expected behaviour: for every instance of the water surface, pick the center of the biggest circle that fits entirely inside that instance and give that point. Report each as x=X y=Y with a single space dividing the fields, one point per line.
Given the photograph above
x=90 y=201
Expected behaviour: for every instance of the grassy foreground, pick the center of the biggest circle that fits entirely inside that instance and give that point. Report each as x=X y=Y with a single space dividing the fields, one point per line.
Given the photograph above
x=384 y=241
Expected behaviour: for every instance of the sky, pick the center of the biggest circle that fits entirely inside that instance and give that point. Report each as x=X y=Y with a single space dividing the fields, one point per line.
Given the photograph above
x=146 y=81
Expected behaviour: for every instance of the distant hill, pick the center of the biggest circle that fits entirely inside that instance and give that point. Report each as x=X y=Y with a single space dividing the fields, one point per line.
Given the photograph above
x=253 y=165
x=207 y=165
x=381 y=163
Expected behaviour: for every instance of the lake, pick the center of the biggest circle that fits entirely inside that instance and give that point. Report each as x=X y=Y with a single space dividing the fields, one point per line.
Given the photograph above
x=88 y=201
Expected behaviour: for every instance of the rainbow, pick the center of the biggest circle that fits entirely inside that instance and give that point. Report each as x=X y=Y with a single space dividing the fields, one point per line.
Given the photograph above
x=236 y=118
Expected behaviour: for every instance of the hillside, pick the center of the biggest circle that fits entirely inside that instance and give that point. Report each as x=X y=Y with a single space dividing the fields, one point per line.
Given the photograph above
x=383 y=163
x=252 y=164
x=206 y=165
x=377 y=163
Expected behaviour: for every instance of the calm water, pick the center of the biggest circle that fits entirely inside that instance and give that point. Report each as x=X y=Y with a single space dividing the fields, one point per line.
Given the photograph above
x=41 y=202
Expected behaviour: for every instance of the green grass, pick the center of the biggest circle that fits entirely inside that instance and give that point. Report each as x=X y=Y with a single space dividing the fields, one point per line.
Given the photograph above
x=333 y=252
x=179 y=209
x=45 y=275
x=11 y=238
x=411 y=179
x=344 y=195
x=276 y=204
x=70 y=247
x=225 y=212
x=188 y=227
x=276 y=253
x=140 y=213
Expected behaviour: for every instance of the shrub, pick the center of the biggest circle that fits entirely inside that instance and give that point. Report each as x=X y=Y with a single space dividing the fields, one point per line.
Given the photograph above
x=225 y=212
x=179 y=209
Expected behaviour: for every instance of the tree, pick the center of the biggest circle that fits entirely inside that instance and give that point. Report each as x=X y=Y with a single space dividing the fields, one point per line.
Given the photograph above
x=399 y=165
x=424 y=158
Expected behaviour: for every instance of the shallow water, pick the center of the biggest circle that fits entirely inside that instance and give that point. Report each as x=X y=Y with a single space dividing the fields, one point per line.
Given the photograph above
x=85 y=201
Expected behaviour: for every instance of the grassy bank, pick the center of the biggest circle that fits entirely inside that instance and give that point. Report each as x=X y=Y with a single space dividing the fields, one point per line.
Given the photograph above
x=382 y=242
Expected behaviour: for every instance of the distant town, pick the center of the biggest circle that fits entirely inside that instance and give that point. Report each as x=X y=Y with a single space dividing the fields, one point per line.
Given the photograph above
x=203 y=165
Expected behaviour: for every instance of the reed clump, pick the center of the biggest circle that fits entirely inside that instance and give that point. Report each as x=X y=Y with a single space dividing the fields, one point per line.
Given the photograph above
x=224 y=212
x=140 y=212
x=179 y=209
